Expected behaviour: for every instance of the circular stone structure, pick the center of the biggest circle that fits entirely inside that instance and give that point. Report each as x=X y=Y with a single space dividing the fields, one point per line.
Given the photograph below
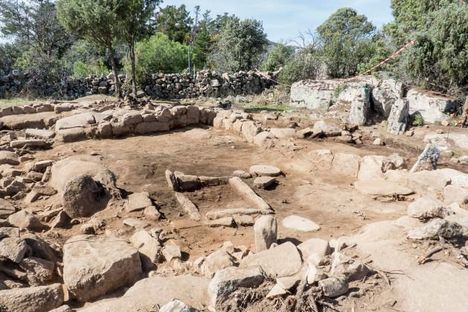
x=265 y=170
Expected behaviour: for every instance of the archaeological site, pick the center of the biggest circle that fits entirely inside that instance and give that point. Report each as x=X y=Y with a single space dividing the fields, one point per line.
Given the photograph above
x=308 y=185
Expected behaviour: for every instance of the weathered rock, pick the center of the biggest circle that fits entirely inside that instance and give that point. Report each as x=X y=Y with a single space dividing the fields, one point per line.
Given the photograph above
x=248 y=194
x=13 y=249
x=83 y=197
x=360 y=104
x=351 y=269
x=151 y=213
x=435 y=229
x=8 y=158
x=432 y=107
x=453 y=194
x=265 y=170
x=138 y=201
x=82 y=120
x=26 y=220
x=266 y=232
x=85 y=278
x=334 y=286
x=218 y=214
x=188 y=206
x=217 y=261
x=346 y=164
x=265 y=182
x=282 y=260
x=327 y=129
x=385 y=94
x=6 y=208
x=32 y=299
x=176 y=306
x=40 y=133
x=171 y=251
x=30 y=143
x=315 y=247
x=398 y=118
x=38 y=271
x=228 y=280
x=148 y=247
x=241 y=174
x=300 y=224
x=426 y=208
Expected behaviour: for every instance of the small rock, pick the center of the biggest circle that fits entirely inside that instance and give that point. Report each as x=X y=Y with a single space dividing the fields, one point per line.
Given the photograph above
x=435 y=229
x=171 y=251
x=265 y=182
x=301 y=224
x=151 y=213
x=426 y=208
x=138 y=201
x=265 y=170
x=333 y=287
x=26 y=220
x=13 y=249
x=176 y=306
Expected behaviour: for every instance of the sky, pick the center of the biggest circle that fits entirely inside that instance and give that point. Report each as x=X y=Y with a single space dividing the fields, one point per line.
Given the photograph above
x=284 y=20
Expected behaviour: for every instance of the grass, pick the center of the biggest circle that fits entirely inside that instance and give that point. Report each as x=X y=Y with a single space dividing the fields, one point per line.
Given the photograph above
x=17 y=101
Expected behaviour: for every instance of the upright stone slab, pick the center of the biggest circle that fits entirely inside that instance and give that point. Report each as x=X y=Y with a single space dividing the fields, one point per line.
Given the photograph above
x=398 y=118
x=266 y=231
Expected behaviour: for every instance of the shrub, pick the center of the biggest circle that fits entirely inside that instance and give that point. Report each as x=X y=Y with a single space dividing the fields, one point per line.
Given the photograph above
x=158 y=54
x=305 y=64
x=277 y=57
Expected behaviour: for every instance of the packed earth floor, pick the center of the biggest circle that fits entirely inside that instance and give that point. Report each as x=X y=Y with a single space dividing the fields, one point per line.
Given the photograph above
x=187 y=208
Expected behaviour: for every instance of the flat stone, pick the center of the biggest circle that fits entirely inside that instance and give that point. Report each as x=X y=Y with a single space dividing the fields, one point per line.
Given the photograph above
x=282 y=260
x=8 y=158
x=86 y=278
x=134 y=223
x=265 y=170
x=6 y=208
x=138 y=201
x=382 y=188
x=188 y=206
x=40 y=133
x=225 y=221
x=32 y=299
x=241 y=174
x=300 y=224
x=26 y=220
x=147 y=245
x=216 y=261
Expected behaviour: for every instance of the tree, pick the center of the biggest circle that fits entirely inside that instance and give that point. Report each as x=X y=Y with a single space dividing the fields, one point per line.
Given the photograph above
x=134 y=16
x=240 y=45
x=439 y=59
x=34 y=24
x=345 y=39
x=96 y=21
x=277 y=57
x=175 y=22
x=9 y=53
x=159 y=54
x=411 y=16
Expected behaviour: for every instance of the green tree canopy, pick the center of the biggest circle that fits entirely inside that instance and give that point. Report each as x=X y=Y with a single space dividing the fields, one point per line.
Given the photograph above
x=277 y=57
x=240 y=45
x=175 y=22
x=346 y=40
x=96 y=21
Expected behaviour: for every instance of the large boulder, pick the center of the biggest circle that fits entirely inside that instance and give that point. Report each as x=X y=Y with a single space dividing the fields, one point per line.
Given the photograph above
x=432 y=107
x=93 y=267
x=316 y=95
x=84 y=186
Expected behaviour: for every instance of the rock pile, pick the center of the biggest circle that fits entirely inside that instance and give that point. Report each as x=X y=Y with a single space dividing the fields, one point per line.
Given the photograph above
x=163 y=86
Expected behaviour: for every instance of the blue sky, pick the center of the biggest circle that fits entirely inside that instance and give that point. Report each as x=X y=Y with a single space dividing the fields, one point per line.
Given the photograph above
x=285 y=19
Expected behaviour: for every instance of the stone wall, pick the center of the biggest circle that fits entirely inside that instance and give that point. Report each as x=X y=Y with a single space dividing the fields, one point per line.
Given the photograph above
x=163 y=86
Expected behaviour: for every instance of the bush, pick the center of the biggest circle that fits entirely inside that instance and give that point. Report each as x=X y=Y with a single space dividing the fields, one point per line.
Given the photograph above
x=305 y=64
x=84 y=59
x=277 y=57
x=82 y=70
x=158 y=54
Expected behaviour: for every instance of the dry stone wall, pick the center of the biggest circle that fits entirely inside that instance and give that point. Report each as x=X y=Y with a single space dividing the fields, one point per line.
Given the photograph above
x=163 y=86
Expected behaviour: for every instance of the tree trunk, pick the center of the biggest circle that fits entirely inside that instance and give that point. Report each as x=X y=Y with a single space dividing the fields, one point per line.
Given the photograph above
x=133 y=64
x=118 y=90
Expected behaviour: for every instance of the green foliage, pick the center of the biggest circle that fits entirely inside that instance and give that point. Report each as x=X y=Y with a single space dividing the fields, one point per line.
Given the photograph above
x=439 y=59
x=417 y=120
x=175 y=22
x=82 y=70
x=305 y=64
x=34 y=24
x=411 y=16
x=277 y=57
x=240 y=45
x=346 y=41
x=159 y=54
x=9 y=53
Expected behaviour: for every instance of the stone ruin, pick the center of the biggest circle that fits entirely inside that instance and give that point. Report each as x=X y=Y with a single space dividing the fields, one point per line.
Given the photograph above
x=74 y=237
x=161 y=86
